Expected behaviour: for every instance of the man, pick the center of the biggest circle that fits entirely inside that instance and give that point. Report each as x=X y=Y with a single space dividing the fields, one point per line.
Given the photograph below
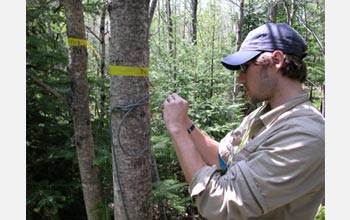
x=275 y=158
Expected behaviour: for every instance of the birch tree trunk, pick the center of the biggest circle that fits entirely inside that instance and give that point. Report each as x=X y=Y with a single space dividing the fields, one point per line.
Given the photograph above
x=130 y=118
x=79 y=106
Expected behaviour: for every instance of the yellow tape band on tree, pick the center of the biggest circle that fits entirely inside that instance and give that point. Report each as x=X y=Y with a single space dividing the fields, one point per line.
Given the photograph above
x=128 y=71
x=77 y=42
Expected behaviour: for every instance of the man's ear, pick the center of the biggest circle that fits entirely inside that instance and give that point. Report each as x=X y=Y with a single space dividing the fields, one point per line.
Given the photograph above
x=278 y=59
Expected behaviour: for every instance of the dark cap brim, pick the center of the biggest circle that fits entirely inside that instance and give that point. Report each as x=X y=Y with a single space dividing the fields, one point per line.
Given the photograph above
x=233 y=61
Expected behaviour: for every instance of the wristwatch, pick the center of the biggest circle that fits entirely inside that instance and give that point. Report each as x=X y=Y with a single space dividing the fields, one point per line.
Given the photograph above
x=190 y=129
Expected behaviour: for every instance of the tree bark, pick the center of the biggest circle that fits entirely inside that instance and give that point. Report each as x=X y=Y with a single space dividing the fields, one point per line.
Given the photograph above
x=272 y=11
x=170 y=27
x=130 y=118
x=194 y=5
x=171 y=43
x=214 y=10
x=103 y=61
x=77 y=71
x=239 y=41
x=240 y=25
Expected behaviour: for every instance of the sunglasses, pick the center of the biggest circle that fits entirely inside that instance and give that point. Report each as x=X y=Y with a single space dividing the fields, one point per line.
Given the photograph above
x=244 y=67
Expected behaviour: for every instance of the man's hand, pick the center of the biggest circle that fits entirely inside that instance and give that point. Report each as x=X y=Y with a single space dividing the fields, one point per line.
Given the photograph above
x=175 y=113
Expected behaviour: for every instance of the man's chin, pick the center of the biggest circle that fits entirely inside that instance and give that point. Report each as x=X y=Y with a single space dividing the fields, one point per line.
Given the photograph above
x=253 y=100
x=249 y=98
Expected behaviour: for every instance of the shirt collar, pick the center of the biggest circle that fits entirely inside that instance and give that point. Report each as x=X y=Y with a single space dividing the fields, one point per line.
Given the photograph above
x=269 y=116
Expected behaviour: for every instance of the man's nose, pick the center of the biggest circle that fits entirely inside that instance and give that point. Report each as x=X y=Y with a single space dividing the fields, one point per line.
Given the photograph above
x=241 y=78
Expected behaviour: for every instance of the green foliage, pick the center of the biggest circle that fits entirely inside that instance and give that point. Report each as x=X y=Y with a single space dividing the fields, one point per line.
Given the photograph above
x=164 y=154
x=169 y=192
x=93 y=7
x=47 y=203
x=107 y=213
x=255 y=15
x=193 y=70
x=321 y=214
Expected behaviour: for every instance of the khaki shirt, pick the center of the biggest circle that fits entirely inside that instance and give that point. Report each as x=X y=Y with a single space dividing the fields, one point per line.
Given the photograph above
x=278 y=175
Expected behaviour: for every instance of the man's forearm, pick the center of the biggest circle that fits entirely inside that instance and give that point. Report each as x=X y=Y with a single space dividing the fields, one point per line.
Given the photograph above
x=206 y=146
x=192 y=149
x=189 y=158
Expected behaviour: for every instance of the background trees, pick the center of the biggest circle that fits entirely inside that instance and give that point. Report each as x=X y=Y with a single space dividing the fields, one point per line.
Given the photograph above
x=186 y=45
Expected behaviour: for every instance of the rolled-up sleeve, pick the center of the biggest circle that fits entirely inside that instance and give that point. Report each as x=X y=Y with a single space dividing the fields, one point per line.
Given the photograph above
x=225 y=197
x=201 y=179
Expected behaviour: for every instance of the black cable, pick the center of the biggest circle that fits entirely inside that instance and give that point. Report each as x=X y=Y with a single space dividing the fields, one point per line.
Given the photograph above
x=128 y=109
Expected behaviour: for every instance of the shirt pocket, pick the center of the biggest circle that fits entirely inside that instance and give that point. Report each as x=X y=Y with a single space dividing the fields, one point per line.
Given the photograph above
x=249 y=148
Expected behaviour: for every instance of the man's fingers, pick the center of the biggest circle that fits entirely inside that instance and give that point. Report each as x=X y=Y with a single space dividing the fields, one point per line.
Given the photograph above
x=170 y=98
x=175 y=96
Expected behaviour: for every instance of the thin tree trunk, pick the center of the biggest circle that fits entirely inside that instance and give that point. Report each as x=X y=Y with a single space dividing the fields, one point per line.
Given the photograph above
x=212 y=53
x=238 y=45
x=292 y=13
x=103 y=61
x=171 y=43
x=194 y=6
x=156 y=179
x=130 y=118
x=272 y=11
x=77 y=71
x=240 y=25
x=170 y=25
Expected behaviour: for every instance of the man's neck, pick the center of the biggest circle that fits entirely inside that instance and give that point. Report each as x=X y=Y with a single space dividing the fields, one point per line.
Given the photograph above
x=286 y=90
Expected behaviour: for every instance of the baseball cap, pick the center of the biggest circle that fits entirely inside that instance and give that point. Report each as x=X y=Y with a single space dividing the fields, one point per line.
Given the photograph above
x=267 y=37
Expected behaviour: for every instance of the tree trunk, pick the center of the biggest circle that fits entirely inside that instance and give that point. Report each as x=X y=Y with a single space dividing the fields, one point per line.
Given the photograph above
x=214 y=10
x=103 y=62
x=79 y=106
x=238 y=45
x=170 y=27
x=130 y=118
x=171 y=44
x=156 y=179
x=194 y=5
x=272 y=11
x=292 y=13
x=240 y=24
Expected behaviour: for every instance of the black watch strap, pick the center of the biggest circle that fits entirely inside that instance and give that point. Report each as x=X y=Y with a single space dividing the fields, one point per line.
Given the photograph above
x=190 y=129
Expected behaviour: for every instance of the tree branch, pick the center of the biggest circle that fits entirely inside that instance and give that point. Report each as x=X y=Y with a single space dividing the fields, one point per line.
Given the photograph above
x=234 y=3
x=49 y=89
x=93 y=33
x=313 y=34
